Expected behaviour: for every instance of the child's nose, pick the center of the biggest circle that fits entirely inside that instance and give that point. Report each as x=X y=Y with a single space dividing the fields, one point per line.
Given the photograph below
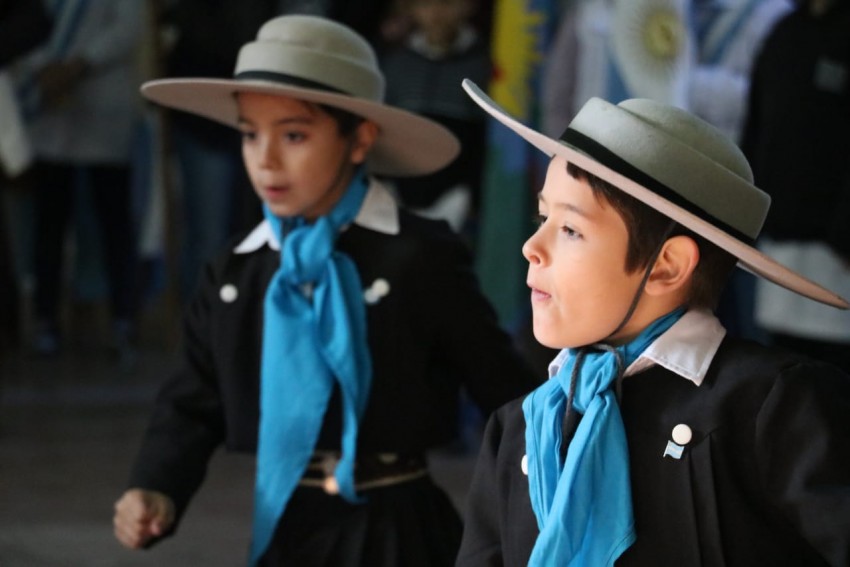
x=531 y=251
x=269 y=155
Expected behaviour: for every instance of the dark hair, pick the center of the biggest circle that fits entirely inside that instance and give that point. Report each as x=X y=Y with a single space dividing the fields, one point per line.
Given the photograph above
x=346 y=122
x=715 y=264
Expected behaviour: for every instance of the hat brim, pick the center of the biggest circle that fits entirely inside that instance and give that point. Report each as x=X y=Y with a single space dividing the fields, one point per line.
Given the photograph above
x=408 y=144
x=748 y=257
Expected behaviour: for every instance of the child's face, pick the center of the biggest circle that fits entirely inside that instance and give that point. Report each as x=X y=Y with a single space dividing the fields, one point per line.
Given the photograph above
x=440 y=20
x=580 y=290
x=297 y=160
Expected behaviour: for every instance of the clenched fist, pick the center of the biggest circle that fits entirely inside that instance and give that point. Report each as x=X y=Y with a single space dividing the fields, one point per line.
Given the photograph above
x=141 y=515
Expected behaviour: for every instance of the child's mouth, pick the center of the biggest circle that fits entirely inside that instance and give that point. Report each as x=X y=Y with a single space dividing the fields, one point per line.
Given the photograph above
x=538 y=295
x=275 y=190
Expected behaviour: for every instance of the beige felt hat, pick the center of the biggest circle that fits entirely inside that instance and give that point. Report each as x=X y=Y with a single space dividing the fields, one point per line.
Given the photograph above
x=677 y=164
x=317 y=60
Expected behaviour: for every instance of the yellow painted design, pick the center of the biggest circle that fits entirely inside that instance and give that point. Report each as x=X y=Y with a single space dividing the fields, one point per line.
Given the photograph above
x=515 y=55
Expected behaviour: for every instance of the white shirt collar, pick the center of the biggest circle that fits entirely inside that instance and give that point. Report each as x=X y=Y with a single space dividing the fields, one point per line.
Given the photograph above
x=379 y=212
x=686 y=349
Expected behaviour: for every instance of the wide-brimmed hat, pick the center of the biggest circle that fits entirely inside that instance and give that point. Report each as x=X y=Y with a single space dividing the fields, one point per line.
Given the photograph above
x=677 y=164
x=317 y=60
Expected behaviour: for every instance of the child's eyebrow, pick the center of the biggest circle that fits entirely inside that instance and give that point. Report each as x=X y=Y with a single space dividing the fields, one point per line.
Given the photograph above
x=282 y=121
x=565 y=206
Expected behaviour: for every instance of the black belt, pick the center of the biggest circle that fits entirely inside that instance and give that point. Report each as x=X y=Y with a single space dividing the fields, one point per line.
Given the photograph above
x=373 y=470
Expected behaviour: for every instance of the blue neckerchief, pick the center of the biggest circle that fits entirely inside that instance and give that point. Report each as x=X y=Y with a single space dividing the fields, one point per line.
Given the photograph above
x=583 y=506
x=314 y=337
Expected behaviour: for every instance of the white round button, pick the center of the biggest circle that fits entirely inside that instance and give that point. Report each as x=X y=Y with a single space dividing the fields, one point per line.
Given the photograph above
x=381 y=287
x=524 y=465
x=682 y=434
x=228 y=293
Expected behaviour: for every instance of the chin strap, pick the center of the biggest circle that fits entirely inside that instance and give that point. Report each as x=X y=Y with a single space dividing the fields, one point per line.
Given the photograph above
x=609 y=348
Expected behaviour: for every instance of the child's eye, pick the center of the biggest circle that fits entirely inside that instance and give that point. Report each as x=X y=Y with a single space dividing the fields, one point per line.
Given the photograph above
x=294 y=137
x=570 y=232
x=538 y=219
x=248 y=136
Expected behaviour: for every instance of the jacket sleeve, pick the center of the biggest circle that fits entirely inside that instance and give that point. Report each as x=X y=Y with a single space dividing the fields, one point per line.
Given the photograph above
x=803 y=448
x=187 y=423
x=468 y=335
x=500 y=527
x=481 y=545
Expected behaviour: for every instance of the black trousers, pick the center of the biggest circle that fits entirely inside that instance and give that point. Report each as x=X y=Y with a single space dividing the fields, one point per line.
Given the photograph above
x=55 y=187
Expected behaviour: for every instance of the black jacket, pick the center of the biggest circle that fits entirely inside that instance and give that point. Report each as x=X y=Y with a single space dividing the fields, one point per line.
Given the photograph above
x=432 y=333
x=764 y=481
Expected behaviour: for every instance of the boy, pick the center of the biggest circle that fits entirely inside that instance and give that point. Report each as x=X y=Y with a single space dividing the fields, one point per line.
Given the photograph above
x=333 y=339
x=712 y=451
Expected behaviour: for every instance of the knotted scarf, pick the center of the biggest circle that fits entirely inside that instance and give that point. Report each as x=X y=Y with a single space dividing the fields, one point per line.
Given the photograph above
x=314 y=336
x=583 y=506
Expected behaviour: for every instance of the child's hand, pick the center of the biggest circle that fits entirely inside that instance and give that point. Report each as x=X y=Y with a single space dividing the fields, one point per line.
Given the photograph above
x=141 y=515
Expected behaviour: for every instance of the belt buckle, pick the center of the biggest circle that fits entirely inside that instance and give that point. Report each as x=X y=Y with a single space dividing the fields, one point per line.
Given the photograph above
x=328 y=465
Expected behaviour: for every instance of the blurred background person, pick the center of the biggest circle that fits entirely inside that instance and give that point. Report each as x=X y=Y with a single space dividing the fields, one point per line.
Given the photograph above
x=796 y=139
x=24 y=24
x=423 y=74
x=79 y=92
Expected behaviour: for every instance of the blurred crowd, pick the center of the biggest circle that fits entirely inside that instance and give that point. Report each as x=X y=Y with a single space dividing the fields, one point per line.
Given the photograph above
x=107 y=200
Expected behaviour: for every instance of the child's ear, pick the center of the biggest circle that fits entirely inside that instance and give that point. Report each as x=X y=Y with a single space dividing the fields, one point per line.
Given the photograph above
x=674 y=267
x=364 y=137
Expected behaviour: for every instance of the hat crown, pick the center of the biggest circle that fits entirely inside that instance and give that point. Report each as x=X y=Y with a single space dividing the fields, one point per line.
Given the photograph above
x=693 y=132
x=312 y=50
x=681 y=157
